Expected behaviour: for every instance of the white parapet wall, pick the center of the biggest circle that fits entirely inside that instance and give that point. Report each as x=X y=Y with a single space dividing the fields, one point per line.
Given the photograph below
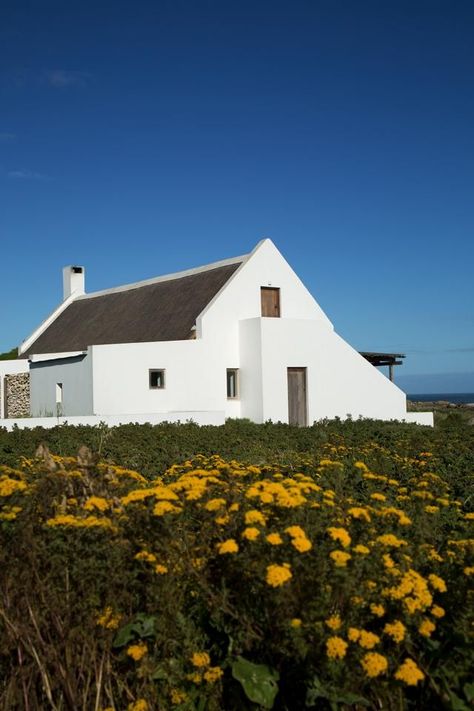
x=199 y=417
x=420 y=418
x=155 y=418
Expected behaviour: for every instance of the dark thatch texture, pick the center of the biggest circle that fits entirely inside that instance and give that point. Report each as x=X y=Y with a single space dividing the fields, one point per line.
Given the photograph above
x=164 y=311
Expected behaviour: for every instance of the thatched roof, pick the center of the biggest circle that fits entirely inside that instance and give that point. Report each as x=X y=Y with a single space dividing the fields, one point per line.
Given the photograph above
x=164 y=309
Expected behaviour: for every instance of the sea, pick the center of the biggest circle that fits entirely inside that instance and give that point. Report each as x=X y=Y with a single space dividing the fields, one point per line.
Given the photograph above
x=456 y=398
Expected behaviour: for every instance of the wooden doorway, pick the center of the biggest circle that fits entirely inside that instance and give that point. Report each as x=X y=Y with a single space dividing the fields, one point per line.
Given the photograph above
x=270 y=298
x=297 y=407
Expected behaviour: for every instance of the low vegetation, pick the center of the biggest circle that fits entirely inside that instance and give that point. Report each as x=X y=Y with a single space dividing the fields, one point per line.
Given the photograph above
x=237 y=568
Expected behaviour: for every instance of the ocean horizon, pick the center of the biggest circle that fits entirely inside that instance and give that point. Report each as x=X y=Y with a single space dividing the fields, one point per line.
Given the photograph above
x=456 y=398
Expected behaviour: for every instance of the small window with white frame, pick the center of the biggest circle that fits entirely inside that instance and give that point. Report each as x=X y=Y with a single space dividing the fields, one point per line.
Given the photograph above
x=232 y=383
x=156 y=378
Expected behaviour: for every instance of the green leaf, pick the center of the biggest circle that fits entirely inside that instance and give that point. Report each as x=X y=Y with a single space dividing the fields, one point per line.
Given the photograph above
x=258 y=681
x=469 y=691
x=124 y=635
x=353 y=699
x=142 y=627
x=457 y=704
x=160 y=673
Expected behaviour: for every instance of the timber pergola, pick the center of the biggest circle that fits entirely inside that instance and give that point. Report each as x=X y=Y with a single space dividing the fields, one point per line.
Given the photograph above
x=389 y=359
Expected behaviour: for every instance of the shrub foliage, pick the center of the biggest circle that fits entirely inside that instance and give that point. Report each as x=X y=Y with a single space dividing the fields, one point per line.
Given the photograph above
x=333 y=572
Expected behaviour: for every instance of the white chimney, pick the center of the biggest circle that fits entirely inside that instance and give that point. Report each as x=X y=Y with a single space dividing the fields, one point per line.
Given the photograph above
x=73 y=281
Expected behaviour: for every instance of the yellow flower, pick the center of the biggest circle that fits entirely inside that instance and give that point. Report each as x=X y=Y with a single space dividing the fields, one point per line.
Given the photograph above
x=469 y=570
x=137 y=651
x=229 y=546
x=255 y=516
x=108 y=620
x=139 y=705
x=426 y=628
x=165 y=507
x=274 y=539
x=178 y=696
x=200 y=659
x=333 y=622
x=213 y=674
x=301 y=544
x=9 y=486
x=388 y=539
x=362 y=466
x=368 y=640
x=88 y=522
x=295 y=622
x=437 y=583
x=340 y=558
x=339 y=534
x=396 y=630
x=295 y=531
x=96 y=502
x=215 y=504
x=378 y=610
x=374 y=664
x=251 y=533
x=195 y=677
x=360 y=513
x=353 y=634
x=222 y=520
x=146 y=555
x=278 y=575
x=437 y=611
x=161 y=569
x=409 y=673
x=378 y=497
x=361 y=550
x=336 y=648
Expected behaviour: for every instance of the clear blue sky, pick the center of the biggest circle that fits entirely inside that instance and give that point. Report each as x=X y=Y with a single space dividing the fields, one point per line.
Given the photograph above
x=141 y=138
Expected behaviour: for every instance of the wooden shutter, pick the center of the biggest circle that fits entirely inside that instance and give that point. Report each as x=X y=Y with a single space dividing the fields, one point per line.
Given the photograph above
x=270 y=297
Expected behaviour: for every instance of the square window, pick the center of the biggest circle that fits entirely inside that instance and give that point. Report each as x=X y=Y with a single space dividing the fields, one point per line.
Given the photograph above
x=157 y=379
x=232 y=383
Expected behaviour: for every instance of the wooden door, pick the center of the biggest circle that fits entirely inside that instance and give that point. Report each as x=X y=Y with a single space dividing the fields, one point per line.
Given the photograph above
x=270 y=297
x=297 y=409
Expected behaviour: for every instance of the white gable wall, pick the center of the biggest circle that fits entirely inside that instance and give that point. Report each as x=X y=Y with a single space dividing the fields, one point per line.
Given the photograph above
x=240 y=297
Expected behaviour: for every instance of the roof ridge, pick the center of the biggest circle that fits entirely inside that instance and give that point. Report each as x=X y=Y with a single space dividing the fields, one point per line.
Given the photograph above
x=165 y=277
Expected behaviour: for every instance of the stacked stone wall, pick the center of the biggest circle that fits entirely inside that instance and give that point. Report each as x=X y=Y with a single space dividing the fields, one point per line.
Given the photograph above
x=16 y=393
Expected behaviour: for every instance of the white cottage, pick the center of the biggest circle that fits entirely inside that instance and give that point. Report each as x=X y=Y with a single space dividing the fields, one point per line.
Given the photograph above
x=238 y=338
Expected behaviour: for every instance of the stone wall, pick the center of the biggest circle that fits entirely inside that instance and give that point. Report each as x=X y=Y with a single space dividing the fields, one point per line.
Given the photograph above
x=16 y=392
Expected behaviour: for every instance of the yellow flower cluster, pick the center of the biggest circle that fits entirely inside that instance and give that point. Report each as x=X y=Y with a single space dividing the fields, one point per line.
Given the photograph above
x=228 y=546
x=200 y=659
x=278 y=575
x=108 y=619
x=409 y=673
x=137 y=651
x=299 y=539
x=340 y=535
x=336 y=648
x=374 y=664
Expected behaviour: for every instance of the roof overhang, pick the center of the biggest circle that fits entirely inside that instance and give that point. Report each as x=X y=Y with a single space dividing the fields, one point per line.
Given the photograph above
x=40 y=357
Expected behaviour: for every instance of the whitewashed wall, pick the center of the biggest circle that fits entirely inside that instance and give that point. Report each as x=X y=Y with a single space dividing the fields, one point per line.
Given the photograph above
x=339 y=380
x=75 y=374
x=195 y=377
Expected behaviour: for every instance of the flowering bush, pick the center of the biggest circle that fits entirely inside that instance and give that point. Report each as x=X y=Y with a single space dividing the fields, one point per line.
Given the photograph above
x=327 y=583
